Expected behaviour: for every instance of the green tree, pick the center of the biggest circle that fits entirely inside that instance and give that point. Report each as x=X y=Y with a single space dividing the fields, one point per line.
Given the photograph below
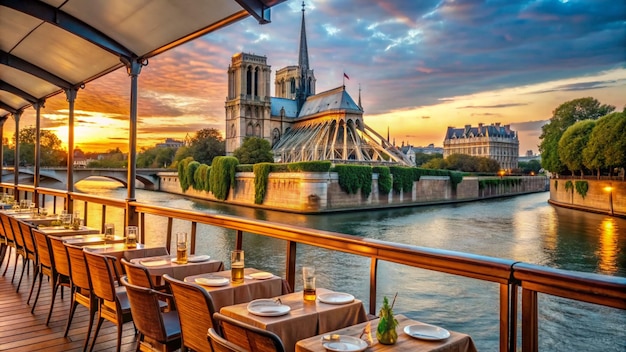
x=606 y=147
x=51 y=152
x=529 y=166
x=564 y=116
x=254 y=150
x=113 y=158
x=572 y=144
x=181 y=154
x=206 y=145
x=436 y=164
x=422 y=158
x=156 y=157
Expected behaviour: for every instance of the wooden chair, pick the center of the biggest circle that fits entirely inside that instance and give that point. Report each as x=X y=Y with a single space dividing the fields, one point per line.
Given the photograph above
x=47 y=267
x=28 y=255
x=156 y=329
x=248 y=337
x=220 y=344
x=140 y=276
x=30 y=252
x=195 y=310
x=113 y=304
x=61 y=264
x=4 y=244
x=13 y=242
x=81 y=291
x=9 y=240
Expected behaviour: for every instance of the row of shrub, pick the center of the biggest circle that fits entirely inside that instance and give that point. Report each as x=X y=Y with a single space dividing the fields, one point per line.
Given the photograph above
x=219 y=178
x=582 y=187
x=495 y=182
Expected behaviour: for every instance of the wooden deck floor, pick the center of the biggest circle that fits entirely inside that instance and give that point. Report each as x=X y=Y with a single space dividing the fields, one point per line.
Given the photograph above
x=22 y=331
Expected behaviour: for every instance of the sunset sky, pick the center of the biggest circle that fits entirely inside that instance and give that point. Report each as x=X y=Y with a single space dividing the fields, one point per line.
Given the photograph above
x=421 y=66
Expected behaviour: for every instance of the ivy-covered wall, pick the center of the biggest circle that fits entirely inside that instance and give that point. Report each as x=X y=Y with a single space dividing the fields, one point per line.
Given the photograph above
x=590 y=194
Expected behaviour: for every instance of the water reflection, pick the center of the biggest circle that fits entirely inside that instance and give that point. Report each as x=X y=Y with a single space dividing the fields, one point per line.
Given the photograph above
x=608 y=248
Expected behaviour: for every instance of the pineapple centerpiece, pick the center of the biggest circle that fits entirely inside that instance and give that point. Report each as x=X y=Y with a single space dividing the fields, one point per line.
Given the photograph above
x=386 y=331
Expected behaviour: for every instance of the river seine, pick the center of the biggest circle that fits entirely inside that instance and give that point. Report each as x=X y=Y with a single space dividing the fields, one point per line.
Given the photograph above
x=523 y=228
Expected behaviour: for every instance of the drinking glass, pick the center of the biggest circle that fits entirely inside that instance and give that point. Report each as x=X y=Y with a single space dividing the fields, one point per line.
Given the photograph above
x=236 y=266
x=109 y=232
x=43 y=212
x=131 y=236
x=181 y=248
x=66 y=220
x=308 y=279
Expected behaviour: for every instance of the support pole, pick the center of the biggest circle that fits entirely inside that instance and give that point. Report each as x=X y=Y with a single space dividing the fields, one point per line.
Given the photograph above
x=71 y=98
x=16 y=169
x=37 y=166
x=2 y=121
x=133 y=68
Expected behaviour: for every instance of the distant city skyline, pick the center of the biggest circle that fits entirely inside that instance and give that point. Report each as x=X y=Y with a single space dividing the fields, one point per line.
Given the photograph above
x=419 y=68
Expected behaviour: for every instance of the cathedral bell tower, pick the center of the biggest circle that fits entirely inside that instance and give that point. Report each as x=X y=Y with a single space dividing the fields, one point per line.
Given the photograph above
x=248 y=105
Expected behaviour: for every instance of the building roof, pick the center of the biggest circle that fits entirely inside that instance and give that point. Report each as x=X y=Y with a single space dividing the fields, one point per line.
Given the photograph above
x=290 y=106
x=48 y=46
x=334 y=99
x=493 y=130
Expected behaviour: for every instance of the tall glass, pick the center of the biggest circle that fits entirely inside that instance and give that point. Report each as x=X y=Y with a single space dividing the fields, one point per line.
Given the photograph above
x=109 y=232
x=66 y=220
x=131 y=236
x=181 y=248
x=308 y=279
x=236 y=266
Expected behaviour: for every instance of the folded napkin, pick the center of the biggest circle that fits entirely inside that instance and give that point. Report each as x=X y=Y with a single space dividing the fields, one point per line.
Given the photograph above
x=212 y=281
x=261 y=275
x=153 y=262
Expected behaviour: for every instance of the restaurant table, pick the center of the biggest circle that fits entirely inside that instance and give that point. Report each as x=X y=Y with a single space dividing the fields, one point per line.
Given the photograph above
x=88 y=240
x=158 y=266
x=116 y=250
x=245 y=292
x=457 y=342
x=35 y=220
x=305 y=319
x=60 y=231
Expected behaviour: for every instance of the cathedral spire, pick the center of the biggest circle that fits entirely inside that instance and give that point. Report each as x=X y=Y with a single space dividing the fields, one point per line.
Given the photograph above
x=303 y=57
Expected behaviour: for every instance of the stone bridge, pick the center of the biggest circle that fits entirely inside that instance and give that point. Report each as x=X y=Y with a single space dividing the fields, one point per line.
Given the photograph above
x=56 y=177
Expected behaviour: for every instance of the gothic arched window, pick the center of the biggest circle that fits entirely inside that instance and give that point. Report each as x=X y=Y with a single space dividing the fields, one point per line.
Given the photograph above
x=249 y=130
x=249 y=81
x=255 y=91
x=293 y=85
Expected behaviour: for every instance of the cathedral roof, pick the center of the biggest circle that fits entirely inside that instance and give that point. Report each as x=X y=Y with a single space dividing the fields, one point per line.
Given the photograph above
x=493 y=130
x=334 y=99
x=290 y=106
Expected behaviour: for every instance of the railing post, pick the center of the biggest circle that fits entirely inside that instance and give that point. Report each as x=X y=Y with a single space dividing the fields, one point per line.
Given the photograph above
x=194 y=225
x=290 y=264
x=508 y=314
x=373 y=288
x=530 y=325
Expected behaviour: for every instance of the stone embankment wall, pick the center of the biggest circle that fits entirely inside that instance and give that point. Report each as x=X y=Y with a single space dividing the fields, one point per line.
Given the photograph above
x=601 y=196
x=317 y=192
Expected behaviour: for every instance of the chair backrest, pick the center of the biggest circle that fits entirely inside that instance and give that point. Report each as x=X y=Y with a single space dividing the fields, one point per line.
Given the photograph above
x=101 y=275
x=78 y=266
x=195 y=310
x=44 y=251
x=220 y=344
x=146 y=311
x=27 y=235
x=61 y=262
x=137 y=274
x=17 y=232
x=6 y=225
x=247 y=336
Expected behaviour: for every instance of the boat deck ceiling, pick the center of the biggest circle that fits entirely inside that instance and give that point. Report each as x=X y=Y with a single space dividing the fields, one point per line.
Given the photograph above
x=48 y=46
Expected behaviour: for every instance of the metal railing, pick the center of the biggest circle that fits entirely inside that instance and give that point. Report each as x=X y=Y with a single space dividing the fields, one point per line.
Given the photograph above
x=512 y=277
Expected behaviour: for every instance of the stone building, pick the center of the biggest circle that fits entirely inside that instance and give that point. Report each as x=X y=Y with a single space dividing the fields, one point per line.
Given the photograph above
x=491 y=141
x=300 y=124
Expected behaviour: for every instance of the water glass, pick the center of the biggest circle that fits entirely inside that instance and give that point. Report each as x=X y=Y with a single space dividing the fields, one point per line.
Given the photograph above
x=308 y=279
x=66 y=220
x=236 y=266
x=181 y=248
x=131 y=236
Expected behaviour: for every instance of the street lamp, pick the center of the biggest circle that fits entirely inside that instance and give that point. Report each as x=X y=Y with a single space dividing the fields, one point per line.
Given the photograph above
x=501 y=173
x=610 y=190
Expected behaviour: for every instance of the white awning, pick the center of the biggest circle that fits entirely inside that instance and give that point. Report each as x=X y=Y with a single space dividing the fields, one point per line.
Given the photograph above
x=47 y=46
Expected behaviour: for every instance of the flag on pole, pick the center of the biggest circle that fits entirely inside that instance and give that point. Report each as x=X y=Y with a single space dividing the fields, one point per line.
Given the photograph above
x=346 y=76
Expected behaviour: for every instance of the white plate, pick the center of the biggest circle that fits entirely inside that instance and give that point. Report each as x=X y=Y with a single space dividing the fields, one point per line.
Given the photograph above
x=153 y=262
x=262 y=275
x=426 y=332
x=198 y=258
x=335 y=298
x=267 y=308
x=212 y=281
x=346 y=343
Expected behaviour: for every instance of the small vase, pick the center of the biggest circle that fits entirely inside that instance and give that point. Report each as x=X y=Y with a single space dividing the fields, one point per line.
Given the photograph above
x=386 y=331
